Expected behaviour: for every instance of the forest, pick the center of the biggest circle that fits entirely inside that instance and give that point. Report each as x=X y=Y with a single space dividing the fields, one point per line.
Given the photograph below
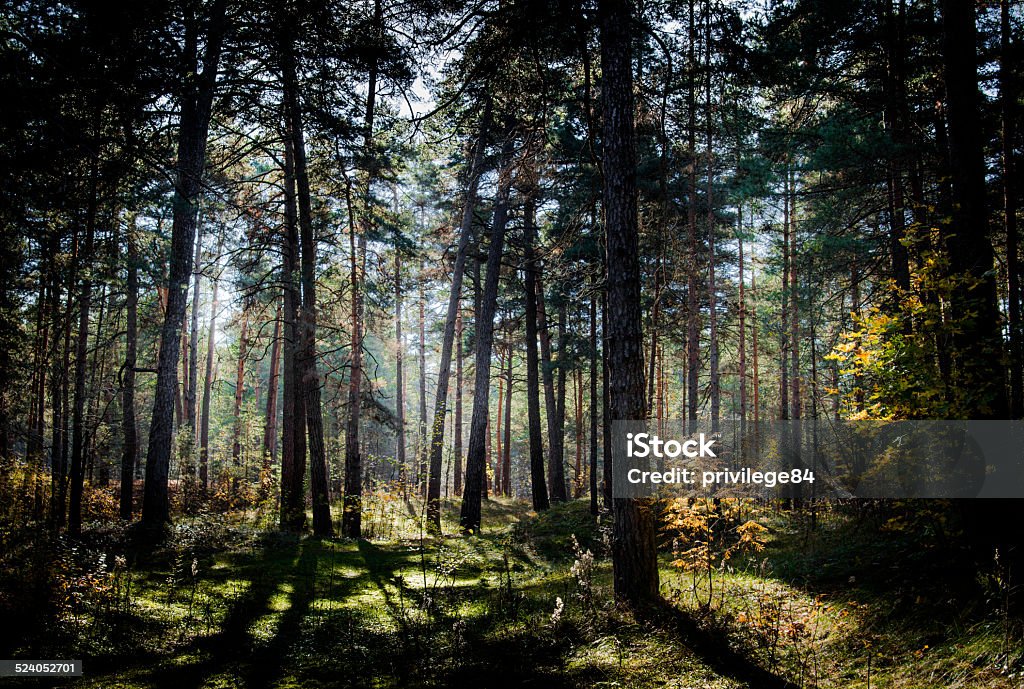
x=316 y=318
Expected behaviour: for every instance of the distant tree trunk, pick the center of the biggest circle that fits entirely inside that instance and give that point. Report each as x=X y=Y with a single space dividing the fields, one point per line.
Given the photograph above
x=421 y=442
x=457 y=422
x=270 y=424
x=715 y=378
x=1008 y=103
x=452 y=315
x=754 y=344
x=606 y=405
x=794 y=290
x=578 y=480
x=58 y=376
x=593 y=404
x=692 y=297
x=634 y=557
x=499 y=418
x=403 y=469
x=784 y=330
x=742 y=309
x=556 y=472
x=204 y=423
x=243 y=343
x=196 y=106
x=538 y=484
x=81 y=367
x=190 y=406
x=475 y=457
x=506 y=459
x=130 y=450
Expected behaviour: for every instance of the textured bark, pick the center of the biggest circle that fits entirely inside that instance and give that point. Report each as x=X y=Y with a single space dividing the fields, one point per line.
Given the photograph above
x=444 y=366
x=634 y=557
x=538 y=482
x=293 y=410
x=196 y=105
x=469 y=519
x=310 y=382
x=352 y=516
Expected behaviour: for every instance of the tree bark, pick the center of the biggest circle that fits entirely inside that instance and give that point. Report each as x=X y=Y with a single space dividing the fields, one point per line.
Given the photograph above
x=634 y=558
x=444 y=366
x=556 y=471
x=538 y=484
x=469 y=519
x=130 y=450
x=196 y=106
x=270 y=422
x=204 y=422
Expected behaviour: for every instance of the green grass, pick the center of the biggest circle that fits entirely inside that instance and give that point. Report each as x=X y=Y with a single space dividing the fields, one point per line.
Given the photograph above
x=228 y=605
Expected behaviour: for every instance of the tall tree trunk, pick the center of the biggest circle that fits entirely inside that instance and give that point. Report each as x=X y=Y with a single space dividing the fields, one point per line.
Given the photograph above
x=556 y=471
x=499 y=418
x=634 y=557
x=310 y=381
x=538 y=482
x=293 y=413
x=692 y=298
x=606 y=405
x=794 y=305
x=189 y=408
x=506 y=458
x=270 y=422
x=593 y=404
x=469 y=519
x=1008 y=105
x=243 y=343
x=444 y=366
x=457 y=421
x=196 y=105
x=784 y=330
x=403 y=469
x=351 y=519
x=81 y=351
x=130 y=450
x=978 y=343
x=715 y=378
x=742 y=309
x=204 y=422
x=421 y=436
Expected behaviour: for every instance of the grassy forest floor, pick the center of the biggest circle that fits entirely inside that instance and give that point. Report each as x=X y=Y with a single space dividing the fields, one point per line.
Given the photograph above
x=875 y=597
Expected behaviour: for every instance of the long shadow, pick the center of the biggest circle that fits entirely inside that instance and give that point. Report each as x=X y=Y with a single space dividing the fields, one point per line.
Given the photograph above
x=219 y=651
